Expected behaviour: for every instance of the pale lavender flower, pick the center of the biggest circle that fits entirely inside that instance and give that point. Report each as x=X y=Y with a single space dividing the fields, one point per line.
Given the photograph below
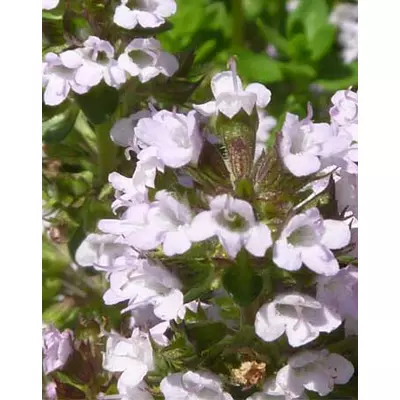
x=98 y=64
x=49 y=4
x=300 y=316
x=145 y=59
x=132 y=356
x=175 y=137
x=58 y=76
x=233 y=222
x=308 y=239
x=317 y=371
x=193 y=386
x=57 y=347
x=146 y=13
x=230 y=97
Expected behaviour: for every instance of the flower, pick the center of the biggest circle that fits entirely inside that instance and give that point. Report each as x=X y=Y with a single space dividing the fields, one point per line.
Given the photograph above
x=193 y=386
x=147 y=13
x=58 y=75
x=122 y=132
x=307 y=238
x=303 y=143
x=272 y=391
x=230 y=97
x=340 y=293
x=265 y=124
x=234 y=223
x=299 y=315
x=57 y=347
x=346 y=193
x=133 y=357
x=130 y=191
x=345 y=107
x=129 y=392
x=143 y=58
x=317 y=371
x=165 y=221
x=49 y=4
x=144 y=282
x=176 y=137
x=100 y=251
x=51 y=391
x=98 y=64
x=345 y=17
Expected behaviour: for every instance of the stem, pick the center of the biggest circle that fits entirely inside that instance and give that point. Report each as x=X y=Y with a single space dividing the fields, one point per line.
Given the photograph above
x=248 y=314
x=107 y=152
x=238 y=24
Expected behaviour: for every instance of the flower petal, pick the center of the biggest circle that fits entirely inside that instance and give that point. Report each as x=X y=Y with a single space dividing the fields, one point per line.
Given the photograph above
x=320 y=259
x=337 y=234
x=259 y=240
x=263 y=94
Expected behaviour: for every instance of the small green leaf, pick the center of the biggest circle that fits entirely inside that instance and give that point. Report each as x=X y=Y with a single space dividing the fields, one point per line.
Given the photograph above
x=205 y=334
x=76 y=26
x=59 y=126
x=259 y=67
x=99 y=103
x=242 y=283
x=322 y=41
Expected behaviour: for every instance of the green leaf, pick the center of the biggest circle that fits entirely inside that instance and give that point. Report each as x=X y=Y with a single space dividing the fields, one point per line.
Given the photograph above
x=241 y=282
x=273 y=36
x=76 y=26
x=205 y=334
x=322 y=41
x=99 y=103
x=58 y=127
x=259 y=67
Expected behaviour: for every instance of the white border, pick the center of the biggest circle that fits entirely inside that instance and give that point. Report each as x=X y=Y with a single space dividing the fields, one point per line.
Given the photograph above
x=20 y=166
x=379 y=213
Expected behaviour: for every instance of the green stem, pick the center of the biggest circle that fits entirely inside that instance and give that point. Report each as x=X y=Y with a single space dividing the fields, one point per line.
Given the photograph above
x=238 y=24
x=248 y=314
x=107 y=152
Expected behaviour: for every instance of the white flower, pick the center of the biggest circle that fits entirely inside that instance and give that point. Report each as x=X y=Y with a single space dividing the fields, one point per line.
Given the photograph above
x=233 y=221
x=172 y=219
x=307 y=238
x=345 y=17
x=58 y=75
x=193 y=386
x=299 y=315
x=129 y=191
x=340 y=292
x=143 y=282
x=98 y=64
x=143 y=58
x=317 y=371
x=346 y=193
x=57 y=347
x=345 y=107
x=143 y=317
x=133 y=227
x=272 y=391
x=303 y=143
x=133 y=357
x=291 y=5
x=265 y=124
x=147 y=13
x=128 y=392
x=49 y=4
x=230 y=97
x=122 y=133
x=176 y=137
x=165 y=221
x=100 y=251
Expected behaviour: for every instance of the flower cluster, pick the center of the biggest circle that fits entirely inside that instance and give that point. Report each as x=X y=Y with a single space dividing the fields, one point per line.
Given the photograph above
x=151 y=221
x=270 y=219
x=83 y=68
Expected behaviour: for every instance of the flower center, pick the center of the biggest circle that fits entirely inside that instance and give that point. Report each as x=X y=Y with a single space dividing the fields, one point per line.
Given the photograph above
x=303 y=236
x=141 y=58
x=233 y=221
